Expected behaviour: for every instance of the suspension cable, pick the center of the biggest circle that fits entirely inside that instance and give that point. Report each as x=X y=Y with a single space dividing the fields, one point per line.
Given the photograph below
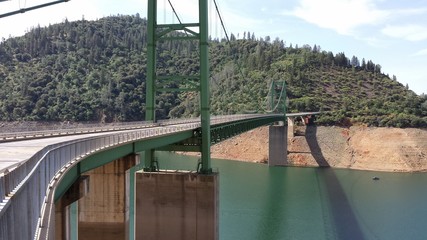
x=23 y=10
x=221 y=21
x=227 y=38
x=265 y=103
x=278 y=101
x=176 y=14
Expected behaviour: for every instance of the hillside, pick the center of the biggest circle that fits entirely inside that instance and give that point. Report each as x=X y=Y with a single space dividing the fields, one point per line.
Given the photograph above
x=95 y=71
x=357 y=147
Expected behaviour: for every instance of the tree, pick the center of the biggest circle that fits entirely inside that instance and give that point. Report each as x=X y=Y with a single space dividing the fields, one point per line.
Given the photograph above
x=355 y=62
x=341 y=59
x=363 y=64
x=96 y=71
x=315 y=50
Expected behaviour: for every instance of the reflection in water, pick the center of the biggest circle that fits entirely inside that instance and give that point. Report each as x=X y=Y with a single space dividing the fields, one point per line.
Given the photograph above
x=345 y=221
x=271 y=203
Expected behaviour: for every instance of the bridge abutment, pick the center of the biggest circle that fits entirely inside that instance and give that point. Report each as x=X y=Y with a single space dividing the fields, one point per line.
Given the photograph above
x=176 y=205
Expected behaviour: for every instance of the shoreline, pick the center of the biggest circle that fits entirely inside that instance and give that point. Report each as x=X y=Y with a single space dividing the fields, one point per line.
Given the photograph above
x=358 y=147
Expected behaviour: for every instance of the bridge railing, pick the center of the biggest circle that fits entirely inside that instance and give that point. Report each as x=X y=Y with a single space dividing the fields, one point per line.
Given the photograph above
x=26 y=133
x=91 y=128
x=27 y=188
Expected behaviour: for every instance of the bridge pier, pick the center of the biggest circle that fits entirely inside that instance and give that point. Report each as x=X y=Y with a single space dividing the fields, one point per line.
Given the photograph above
x=176 y=205
x=278 y=145
x=103 y=212
x=66 y=209
x=291 y=127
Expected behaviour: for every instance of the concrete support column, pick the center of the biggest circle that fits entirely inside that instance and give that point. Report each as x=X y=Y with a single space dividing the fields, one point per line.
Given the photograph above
x=291 y=127
x=66 y=214
x=278 y=146
x=176 y=205
x=102 y=213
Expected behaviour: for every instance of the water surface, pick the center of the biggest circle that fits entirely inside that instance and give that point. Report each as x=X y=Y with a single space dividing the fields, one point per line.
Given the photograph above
x=261 y=202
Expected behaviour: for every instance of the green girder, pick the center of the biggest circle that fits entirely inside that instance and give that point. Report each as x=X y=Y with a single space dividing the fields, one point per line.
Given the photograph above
x=220 y=132
x=108 y=155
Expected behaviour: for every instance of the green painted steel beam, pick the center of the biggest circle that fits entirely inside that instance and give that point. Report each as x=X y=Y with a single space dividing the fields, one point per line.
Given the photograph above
x=158 y=32
x=273 y=95
x=103 y=157
x=180 y=38
x=178 y=89
x=151 y=61
x=168 y=28
x=74 y=221
x=181 y=148
x=204 y=87
x=177 y=77
x=69 y=178
x=150 y=96
x=172 y=142
x=162 y=141
x=178 y=26
x=108 y=155
x=221 y=132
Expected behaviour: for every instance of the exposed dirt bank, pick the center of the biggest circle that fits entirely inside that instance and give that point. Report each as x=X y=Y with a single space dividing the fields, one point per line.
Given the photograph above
x=380 y=149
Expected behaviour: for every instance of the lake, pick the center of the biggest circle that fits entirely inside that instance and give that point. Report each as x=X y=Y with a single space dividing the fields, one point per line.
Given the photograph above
x=261 y=202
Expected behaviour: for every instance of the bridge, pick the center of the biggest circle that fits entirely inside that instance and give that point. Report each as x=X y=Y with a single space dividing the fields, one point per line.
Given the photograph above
x=54 y=184
x=39 y=168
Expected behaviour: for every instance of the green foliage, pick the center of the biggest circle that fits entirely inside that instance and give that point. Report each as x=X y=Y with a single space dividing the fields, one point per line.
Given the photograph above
x=96 y=70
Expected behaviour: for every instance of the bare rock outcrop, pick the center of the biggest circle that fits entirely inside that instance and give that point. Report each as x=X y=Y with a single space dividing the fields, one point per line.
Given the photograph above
x=357 y=147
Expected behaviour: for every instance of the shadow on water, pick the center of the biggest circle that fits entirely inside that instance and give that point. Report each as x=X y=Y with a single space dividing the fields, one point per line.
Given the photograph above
x=345 y=223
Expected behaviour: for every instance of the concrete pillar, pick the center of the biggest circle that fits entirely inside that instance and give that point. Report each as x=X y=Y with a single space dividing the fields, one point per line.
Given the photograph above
x=278 y=146
x=176 y=205
x=102 y=213
x=65 y=209
x=291 y=127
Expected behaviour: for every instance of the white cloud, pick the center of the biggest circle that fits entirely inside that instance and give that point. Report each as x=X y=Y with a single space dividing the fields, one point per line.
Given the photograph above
x=411 y=11
x=410 y=32
x=343 y=16
x=420 y=53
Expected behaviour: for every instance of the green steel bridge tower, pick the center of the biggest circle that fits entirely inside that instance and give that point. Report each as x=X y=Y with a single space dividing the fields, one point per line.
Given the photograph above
x=200 y=83
x=277 y=97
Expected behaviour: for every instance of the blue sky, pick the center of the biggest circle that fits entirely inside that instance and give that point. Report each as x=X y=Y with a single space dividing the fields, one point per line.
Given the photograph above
x=392 y=33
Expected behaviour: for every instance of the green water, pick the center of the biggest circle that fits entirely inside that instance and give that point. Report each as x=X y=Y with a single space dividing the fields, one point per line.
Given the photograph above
x=261 y=202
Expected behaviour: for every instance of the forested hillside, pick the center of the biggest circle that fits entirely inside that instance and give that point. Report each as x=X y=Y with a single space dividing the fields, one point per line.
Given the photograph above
x=96 y=70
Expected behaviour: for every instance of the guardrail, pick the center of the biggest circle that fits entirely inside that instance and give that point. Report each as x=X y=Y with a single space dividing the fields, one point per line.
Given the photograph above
x=25 y=135
x=95 y=128
x=26 y=193
x=27 y=187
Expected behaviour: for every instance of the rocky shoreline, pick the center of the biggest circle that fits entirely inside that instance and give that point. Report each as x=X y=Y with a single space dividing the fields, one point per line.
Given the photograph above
x=357 y=147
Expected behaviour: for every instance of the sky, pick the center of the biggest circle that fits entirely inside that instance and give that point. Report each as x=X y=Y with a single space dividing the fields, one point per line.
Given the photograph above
x=392 y=33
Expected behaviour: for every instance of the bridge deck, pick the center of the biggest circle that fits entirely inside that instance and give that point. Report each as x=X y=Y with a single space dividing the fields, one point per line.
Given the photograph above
x=15 y=152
